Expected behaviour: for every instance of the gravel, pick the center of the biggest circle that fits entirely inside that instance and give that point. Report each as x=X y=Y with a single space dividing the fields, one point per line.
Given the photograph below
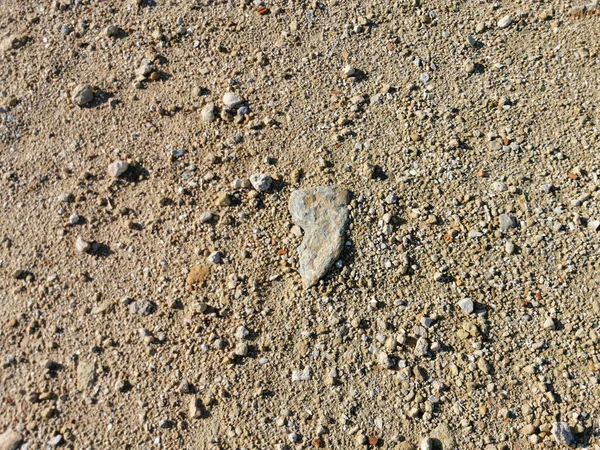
x=434 y=282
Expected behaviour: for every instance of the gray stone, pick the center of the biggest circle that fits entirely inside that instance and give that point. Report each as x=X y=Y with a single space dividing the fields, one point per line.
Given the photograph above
x=86 y=375
x=66 y=197
x=10 y=440
x=206 y=217
x=506 y=222
x=82 y=94
x=12 y=43
x=144 y=70
x=142 y=307
x=473 y=234
x=427 y=321
x=505 y=22
x=443 y=434
x=549 y=324
x=466 y=304
x=56 y=440
x=208 y=113
x=261 y=182
x=215 y=257
x=384 y=360
x=117 y=168
x=562 y=434
x=391 y=199
x=510 y=247
x=241 y=349
x=323 y=215
x=349 y=71
x=242 y=333
x=240 y=183
x=499 y=186
x=81 y=245
x=421 y=347
x=232 y=99
x=112 y=31
x=195 y=408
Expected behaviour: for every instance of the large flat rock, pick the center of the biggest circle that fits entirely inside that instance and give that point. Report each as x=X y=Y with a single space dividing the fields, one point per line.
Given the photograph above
x=322 y=212
x=10 y=440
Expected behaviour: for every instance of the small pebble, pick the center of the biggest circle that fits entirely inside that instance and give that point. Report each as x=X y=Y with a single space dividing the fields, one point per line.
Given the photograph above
x=81 y=245
x=205 y=217
x=215 y=257
x=261 y=182
x=82 y=94
x=117 y=168
x=466 y=304
x=505 y=22
x=349 y=71
x=232 y=99
x=208 y=113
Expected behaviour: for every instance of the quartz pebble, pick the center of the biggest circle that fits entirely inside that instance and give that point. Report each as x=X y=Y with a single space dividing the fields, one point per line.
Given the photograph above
x=208 y=113
x=349 y=71
x=81 y=245
x=205 y=217
x=466 y=304
x=261 y=182
x=232 y=99
x=506 y=222
x=426 y=444
x=302 y=375
x=117 y=168
x=505 y=22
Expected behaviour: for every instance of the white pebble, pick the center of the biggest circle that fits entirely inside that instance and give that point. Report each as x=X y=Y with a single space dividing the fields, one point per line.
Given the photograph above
x=117 y=168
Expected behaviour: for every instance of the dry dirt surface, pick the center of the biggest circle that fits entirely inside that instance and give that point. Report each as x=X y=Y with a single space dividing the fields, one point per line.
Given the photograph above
x=151 y=293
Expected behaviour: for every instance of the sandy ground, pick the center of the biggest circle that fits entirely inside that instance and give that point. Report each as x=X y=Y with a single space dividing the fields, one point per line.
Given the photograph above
x=463 y=312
